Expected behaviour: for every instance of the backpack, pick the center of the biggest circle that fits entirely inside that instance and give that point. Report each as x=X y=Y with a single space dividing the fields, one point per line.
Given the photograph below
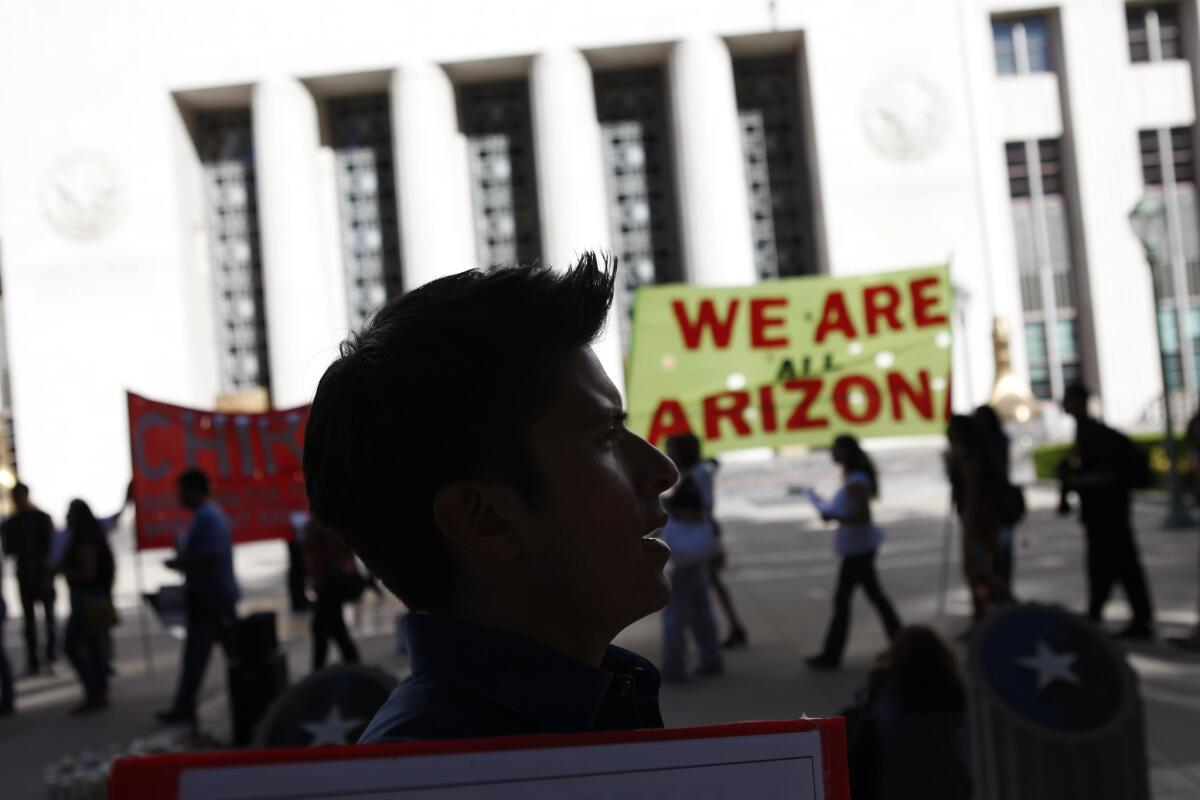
x=1138 y=474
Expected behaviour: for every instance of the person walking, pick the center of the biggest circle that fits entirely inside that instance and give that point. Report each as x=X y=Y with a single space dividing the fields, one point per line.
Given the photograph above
x=737 y=637
x=1191 y=640
x=27 y=536
x=7 y=693
x=90 y=570
x=690 y=535
x=975 y=489
x=1109 y=467
x=329 y=564
x=857 y=543
x=205 y=557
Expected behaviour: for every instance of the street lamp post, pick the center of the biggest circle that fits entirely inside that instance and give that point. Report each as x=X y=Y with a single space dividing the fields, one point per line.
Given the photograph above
x=1149 y=221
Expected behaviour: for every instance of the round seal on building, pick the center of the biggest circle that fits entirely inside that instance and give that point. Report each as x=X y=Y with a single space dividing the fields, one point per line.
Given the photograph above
x=82 y=196
x=906 y=116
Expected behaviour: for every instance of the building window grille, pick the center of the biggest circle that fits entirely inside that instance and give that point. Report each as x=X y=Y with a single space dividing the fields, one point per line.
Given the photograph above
x=1169 y=172
x=498 y=128
x=1154 y=32
x=639 y=179
x=361 y=132
x=1022 y=45
x=224 y=141
x=1041 y=226
x=1018 y=170
x=777 y=179
x=1152 y=158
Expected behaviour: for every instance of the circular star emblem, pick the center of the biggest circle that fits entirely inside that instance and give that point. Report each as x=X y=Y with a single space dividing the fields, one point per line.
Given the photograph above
x=332 y=706
x=1052 y=668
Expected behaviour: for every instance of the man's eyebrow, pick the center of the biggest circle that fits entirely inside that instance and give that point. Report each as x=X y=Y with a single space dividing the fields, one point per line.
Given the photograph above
x=610 y=414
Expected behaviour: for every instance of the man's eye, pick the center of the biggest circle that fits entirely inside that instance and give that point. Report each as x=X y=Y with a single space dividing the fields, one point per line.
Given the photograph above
x=613 y=433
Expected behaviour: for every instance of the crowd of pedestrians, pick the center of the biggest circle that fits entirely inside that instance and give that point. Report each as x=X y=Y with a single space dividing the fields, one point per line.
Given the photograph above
x=82 y=556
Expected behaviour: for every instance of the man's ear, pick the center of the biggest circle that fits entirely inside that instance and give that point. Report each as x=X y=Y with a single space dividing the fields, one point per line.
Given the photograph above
x=472 y=516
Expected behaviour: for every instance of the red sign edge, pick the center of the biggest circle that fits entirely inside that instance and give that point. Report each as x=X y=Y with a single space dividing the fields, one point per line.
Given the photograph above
x=158 y=776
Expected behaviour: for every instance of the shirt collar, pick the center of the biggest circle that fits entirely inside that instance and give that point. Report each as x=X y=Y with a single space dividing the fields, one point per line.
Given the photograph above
x=551 y=690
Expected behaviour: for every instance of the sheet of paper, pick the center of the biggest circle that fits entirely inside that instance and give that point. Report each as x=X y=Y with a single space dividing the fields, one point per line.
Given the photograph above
x=783 y=765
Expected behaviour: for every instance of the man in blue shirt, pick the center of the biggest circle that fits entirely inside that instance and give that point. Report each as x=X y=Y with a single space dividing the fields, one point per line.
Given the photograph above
x=205 y=557
x=473 y=452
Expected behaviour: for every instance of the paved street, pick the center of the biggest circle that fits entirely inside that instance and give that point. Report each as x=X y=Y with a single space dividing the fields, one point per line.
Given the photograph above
x=781 y=573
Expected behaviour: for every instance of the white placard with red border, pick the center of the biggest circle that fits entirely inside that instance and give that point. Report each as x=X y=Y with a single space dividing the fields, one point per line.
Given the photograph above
x=795 y=759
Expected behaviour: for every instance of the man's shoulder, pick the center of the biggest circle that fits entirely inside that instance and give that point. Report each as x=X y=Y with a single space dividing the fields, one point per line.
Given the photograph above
x=424 y=708
x=212 y=516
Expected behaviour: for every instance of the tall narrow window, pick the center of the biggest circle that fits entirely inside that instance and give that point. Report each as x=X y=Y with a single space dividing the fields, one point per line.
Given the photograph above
x=361 y=130
x=1168 y=170
x=1022 y=45
x=1045 y=263
x=777 y=178
x=497 y=124
x=1154 y=32
x=635 y=133
x=225 y=144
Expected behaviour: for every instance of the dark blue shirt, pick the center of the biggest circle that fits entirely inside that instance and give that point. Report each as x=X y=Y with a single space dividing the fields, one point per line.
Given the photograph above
x=468 y=681
x=210 y=535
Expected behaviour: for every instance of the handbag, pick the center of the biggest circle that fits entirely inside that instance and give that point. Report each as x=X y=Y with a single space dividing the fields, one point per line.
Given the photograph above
x=1010 y=506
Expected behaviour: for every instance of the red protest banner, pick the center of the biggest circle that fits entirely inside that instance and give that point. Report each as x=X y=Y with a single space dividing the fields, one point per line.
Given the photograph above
x=252 y=460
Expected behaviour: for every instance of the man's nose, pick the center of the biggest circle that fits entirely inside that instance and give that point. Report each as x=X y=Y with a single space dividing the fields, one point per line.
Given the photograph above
x=659 y=471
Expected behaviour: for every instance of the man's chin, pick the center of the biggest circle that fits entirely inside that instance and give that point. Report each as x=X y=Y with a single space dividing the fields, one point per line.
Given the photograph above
x=659 y=596
x=646 y=598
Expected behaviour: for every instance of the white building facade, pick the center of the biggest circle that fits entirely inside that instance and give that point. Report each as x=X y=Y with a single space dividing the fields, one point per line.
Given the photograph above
x=198 y=200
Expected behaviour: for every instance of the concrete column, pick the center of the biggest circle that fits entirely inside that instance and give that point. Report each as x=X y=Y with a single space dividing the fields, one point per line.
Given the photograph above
x=714 y=209
x=1117 y=289
x=432 y=189
x=303 y=297
x=570 y=174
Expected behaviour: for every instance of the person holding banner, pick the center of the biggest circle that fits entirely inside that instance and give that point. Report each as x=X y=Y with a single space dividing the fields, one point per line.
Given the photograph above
x=90 y=570
x=205 y=557
x=470 y=447
x=857 y=543
x=691 y=535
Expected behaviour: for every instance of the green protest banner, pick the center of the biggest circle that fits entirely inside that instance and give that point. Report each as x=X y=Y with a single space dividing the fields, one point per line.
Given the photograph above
x=792 y=361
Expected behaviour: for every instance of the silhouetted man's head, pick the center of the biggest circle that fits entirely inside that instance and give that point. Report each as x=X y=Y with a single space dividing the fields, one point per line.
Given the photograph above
x=1075 y=401
x=193 y=488
x=20 y=496
x=468 y=445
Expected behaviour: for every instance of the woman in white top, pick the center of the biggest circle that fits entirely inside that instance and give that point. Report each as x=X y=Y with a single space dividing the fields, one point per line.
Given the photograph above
x=691 y=536
x=857 y=542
